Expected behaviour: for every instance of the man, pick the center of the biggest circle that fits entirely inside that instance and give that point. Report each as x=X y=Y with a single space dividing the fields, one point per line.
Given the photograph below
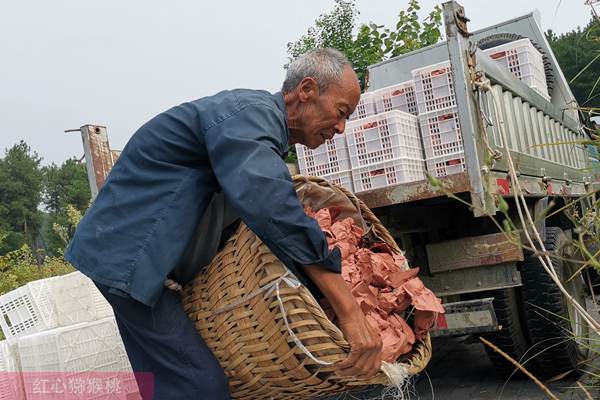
x=143 y=221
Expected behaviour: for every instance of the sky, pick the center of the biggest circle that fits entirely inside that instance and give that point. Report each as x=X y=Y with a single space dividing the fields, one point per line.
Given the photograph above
x=66 y=63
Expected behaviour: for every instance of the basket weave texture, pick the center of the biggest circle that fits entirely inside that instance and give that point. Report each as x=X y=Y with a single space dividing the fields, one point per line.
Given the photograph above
x=251 y=340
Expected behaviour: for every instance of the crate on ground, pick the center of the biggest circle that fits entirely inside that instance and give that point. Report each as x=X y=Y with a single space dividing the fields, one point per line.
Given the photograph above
x=389 y=173
x=448 y=164
x=329 y=158
x=522 y=59
x=365 y=107
x=20 y=315
x=434 y=88
x=343 y=179
x=441 y=134
x=11 y=384
x=383 y=137
x=50 y=303
x=397 y=97
x=77 y=350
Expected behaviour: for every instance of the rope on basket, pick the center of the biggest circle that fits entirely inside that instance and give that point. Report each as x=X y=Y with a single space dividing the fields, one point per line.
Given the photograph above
x=292 y=282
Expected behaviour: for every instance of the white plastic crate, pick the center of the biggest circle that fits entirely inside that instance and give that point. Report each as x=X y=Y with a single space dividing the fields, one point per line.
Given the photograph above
x=383 y=137
x=397 y=97
x=365 y=107
x=441 y=133
x=524 y=61
x=434 y=88
x=49 y=303
x=20 y=315
x=449 y=164
x=389 y=173
x=329 y=158
x=76 y=350
x=11 y=384
x=343 y=179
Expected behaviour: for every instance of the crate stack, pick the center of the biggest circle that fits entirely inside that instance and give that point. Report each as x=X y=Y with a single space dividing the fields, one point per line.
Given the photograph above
x=385 y=150
x=61 y=325
x=380 y=146
x=438 y=119
x=524 y=61
x=329 y=161
x=386 y=136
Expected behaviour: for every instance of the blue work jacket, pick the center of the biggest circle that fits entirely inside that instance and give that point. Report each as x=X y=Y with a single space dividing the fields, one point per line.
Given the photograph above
x=138 y=227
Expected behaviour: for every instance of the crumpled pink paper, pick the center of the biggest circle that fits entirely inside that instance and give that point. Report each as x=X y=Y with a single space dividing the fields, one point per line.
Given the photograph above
x=382 y=286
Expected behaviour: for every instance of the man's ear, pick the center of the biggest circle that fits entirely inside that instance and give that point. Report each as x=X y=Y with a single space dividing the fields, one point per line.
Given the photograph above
x=308 y=89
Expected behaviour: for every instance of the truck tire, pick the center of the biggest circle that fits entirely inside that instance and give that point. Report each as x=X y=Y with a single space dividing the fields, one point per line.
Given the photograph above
x=498 y=39
x=511 y=338
x=551 y=322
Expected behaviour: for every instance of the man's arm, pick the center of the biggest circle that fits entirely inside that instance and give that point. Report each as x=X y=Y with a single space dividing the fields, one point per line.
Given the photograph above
x=365 y=342
x=245 y=155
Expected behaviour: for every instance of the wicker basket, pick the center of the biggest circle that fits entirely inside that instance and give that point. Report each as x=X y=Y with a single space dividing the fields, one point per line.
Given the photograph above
x=251 y=338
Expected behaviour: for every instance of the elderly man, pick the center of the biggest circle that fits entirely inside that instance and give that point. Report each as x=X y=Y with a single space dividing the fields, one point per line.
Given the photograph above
x=143 y=226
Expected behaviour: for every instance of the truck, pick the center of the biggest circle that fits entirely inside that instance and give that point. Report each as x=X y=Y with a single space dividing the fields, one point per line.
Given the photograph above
x=452 y=227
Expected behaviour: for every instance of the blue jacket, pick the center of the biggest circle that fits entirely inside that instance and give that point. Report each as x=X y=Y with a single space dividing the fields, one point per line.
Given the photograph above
x=139 y=225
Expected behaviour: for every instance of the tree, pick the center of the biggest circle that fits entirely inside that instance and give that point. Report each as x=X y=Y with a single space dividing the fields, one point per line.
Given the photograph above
x=66 y=191
x=578 y=54
x=372 y=43
x=20 y=194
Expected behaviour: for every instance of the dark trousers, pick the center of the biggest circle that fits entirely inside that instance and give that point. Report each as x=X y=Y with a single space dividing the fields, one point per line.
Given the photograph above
x=163 y=341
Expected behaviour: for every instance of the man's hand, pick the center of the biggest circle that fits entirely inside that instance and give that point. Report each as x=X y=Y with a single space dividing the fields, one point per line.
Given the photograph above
x=364 y=360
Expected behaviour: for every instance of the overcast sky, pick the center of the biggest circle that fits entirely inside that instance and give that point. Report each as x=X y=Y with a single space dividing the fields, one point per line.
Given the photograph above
x=65 y=63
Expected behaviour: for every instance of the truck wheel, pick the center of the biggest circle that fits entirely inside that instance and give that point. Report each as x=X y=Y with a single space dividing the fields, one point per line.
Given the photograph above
x=511 y=337
x=558 y=334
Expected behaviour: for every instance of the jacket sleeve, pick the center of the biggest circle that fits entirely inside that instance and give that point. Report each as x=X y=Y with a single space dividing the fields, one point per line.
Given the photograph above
x=245 y=151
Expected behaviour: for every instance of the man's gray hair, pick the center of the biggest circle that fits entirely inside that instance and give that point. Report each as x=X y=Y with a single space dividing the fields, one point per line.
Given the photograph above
x=324 y=65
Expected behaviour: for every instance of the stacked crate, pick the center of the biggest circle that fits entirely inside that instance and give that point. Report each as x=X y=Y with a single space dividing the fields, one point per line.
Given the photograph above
x=78 y=353
x=50 y=303
x=438 y=120
x=524 y=61
x=61 y=325
x=329 y=161
x=380 y=145
x=385 y=150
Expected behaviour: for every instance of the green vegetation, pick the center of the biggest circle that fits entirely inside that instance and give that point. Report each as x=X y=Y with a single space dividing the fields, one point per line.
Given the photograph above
x=578 y=53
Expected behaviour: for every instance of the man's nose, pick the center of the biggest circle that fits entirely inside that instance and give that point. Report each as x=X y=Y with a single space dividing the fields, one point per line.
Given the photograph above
x=340 y=127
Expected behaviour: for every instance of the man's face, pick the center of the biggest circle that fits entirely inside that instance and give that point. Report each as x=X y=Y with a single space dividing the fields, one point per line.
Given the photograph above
x=322 y=115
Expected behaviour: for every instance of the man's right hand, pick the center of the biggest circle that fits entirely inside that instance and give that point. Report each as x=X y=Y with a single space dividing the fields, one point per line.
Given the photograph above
x=365 y=342
x=364 y=360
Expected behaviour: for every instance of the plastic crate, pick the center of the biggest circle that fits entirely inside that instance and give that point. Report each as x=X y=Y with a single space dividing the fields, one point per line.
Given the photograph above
x=343 y=179
x=365 y=107
x=329 y=158
x=66 y=299
x=388 y=173
x=75 y=350
x=449 y=164
x=50 y=303
x=397 y=97
x=441 y=133
x=383 y=137
x=524 y=61
x=11 y=383
x=20 y=315
x=434 y=88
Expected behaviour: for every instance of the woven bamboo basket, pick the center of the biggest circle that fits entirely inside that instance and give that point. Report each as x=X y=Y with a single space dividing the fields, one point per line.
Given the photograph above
x=252 y=338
